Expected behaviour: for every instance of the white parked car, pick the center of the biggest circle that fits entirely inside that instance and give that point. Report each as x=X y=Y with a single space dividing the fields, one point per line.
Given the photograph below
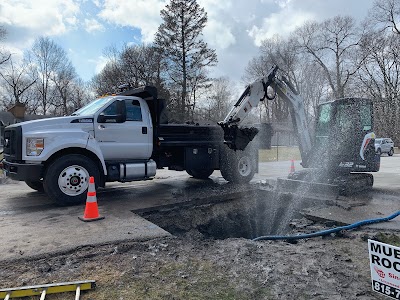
x=384 y=145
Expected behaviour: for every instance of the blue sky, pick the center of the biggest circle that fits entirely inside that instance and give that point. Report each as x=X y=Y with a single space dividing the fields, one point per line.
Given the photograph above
x=84 y=28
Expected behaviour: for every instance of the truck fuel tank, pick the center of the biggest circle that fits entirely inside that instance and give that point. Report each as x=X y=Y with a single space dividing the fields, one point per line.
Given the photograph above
x=136 y=170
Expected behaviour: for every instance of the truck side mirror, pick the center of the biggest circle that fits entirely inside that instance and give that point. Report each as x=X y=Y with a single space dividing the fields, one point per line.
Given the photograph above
x=121 y=111
x=119 y=117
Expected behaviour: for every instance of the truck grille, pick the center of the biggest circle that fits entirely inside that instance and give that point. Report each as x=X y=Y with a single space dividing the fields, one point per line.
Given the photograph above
x=13 y=143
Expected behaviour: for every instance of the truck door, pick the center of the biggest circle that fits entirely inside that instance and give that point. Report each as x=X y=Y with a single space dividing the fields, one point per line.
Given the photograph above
x=129 y=140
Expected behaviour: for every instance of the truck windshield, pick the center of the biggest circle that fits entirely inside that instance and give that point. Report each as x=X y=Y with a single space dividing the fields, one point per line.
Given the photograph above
x=92 y=107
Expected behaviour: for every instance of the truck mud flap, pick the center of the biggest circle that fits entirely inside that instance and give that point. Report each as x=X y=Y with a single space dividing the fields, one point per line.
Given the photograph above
x=307 y=189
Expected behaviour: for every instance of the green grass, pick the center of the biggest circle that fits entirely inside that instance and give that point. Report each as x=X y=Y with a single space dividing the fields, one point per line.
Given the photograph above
x=279 y=153
x=391 y=239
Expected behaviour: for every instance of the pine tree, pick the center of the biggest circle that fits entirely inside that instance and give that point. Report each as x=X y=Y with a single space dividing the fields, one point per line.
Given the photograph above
x=186 y=55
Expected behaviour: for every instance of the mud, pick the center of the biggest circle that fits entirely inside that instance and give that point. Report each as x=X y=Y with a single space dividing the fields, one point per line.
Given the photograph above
x=234 y=215
x=192 y=267
x=212 y=256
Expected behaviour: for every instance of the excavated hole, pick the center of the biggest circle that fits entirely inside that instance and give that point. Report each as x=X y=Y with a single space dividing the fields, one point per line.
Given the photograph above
x=248 y=215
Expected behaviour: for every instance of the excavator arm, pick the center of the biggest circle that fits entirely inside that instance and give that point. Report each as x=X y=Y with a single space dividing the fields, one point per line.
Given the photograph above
x=237 y=136
x=288 y=93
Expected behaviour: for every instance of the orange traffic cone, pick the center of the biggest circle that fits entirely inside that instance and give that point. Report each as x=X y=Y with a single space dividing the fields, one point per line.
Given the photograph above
x=91 y=209
x=292 y=170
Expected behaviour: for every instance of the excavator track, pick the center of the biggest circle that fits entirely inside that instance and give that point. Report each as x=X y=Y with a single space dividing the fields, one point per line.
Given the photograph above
x=354 y=183
x=318 y=182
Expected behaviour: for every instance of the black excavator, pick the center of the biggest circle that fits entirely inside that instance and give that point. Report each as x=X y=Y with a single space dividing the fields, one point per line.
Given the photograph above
x=338 y=154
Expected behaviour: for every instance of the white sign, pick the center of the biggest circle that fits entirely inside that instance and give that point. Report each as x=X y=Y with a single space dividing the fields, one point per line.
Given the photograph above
x=384 y=262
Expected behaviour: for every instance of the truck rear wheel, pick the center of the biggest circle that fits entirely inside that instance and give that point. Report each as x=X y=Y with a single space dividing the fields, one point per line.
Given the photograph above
x=238 y=166
x=35 y=185
x=67 y=179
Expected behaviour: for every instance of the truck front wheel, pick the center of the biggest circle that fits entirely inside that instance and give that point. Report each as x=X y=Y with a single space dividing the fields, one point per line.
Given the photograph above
x=238 y=166
x=67 y=179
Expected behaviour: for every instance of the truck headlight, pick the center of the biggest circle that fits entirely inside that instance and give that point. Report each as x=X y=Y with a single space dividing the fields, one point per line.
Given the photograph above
x=34 y=146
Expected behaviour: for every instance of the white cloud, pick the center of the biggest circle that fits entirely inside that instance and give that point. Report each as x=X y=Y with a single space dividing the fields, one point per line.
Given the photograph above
x=218 y=30
x=218 y=35
x=72 y=20
x=283 y=3
x=213 y=6
x=96 y=2
x=145 y=15
x=99 y=63
x=92 y=25
x=142 y=14
x=24 y=20
x=283 y=16
x=47 y=16
x=282 y=23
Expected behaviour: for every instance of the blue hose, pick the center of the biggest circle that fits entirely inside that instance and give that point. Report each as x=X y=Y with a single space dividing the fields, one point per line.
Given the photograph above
x=326 y=232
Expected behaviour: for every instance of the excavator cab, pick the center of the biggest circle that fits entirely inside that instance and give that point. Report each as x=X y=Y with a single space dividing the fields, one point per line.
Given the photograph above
x=341 y=152
x=344 y=137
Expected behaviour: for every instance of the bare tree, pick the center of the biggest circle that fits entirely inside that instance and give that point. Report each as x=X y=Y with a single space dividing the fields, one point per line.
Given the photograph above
x=108 y=80
x=380 y=76
x=48 y=61
x=306 y=76
x=142 y=65
x=179 y=39
x=386 y=13
x=332 y=44
x=219 y=97
x=284 y=53
x=63 y=80
x=313 y=87
x=4 y=55
x=136 y=65
x=16 y=81
x=80 y=95
x=274 y=51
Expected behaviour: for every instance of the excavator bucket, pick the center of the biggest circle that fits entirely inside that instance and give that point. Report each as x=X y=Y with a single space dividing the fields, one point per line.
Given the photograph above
x=238 y=138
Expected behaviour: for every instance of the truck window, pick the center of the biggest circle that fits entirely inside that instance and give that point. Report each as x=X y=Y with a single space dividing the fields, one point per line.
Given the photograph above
x=92 y=107
x=111 y=110
x=133 y=111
